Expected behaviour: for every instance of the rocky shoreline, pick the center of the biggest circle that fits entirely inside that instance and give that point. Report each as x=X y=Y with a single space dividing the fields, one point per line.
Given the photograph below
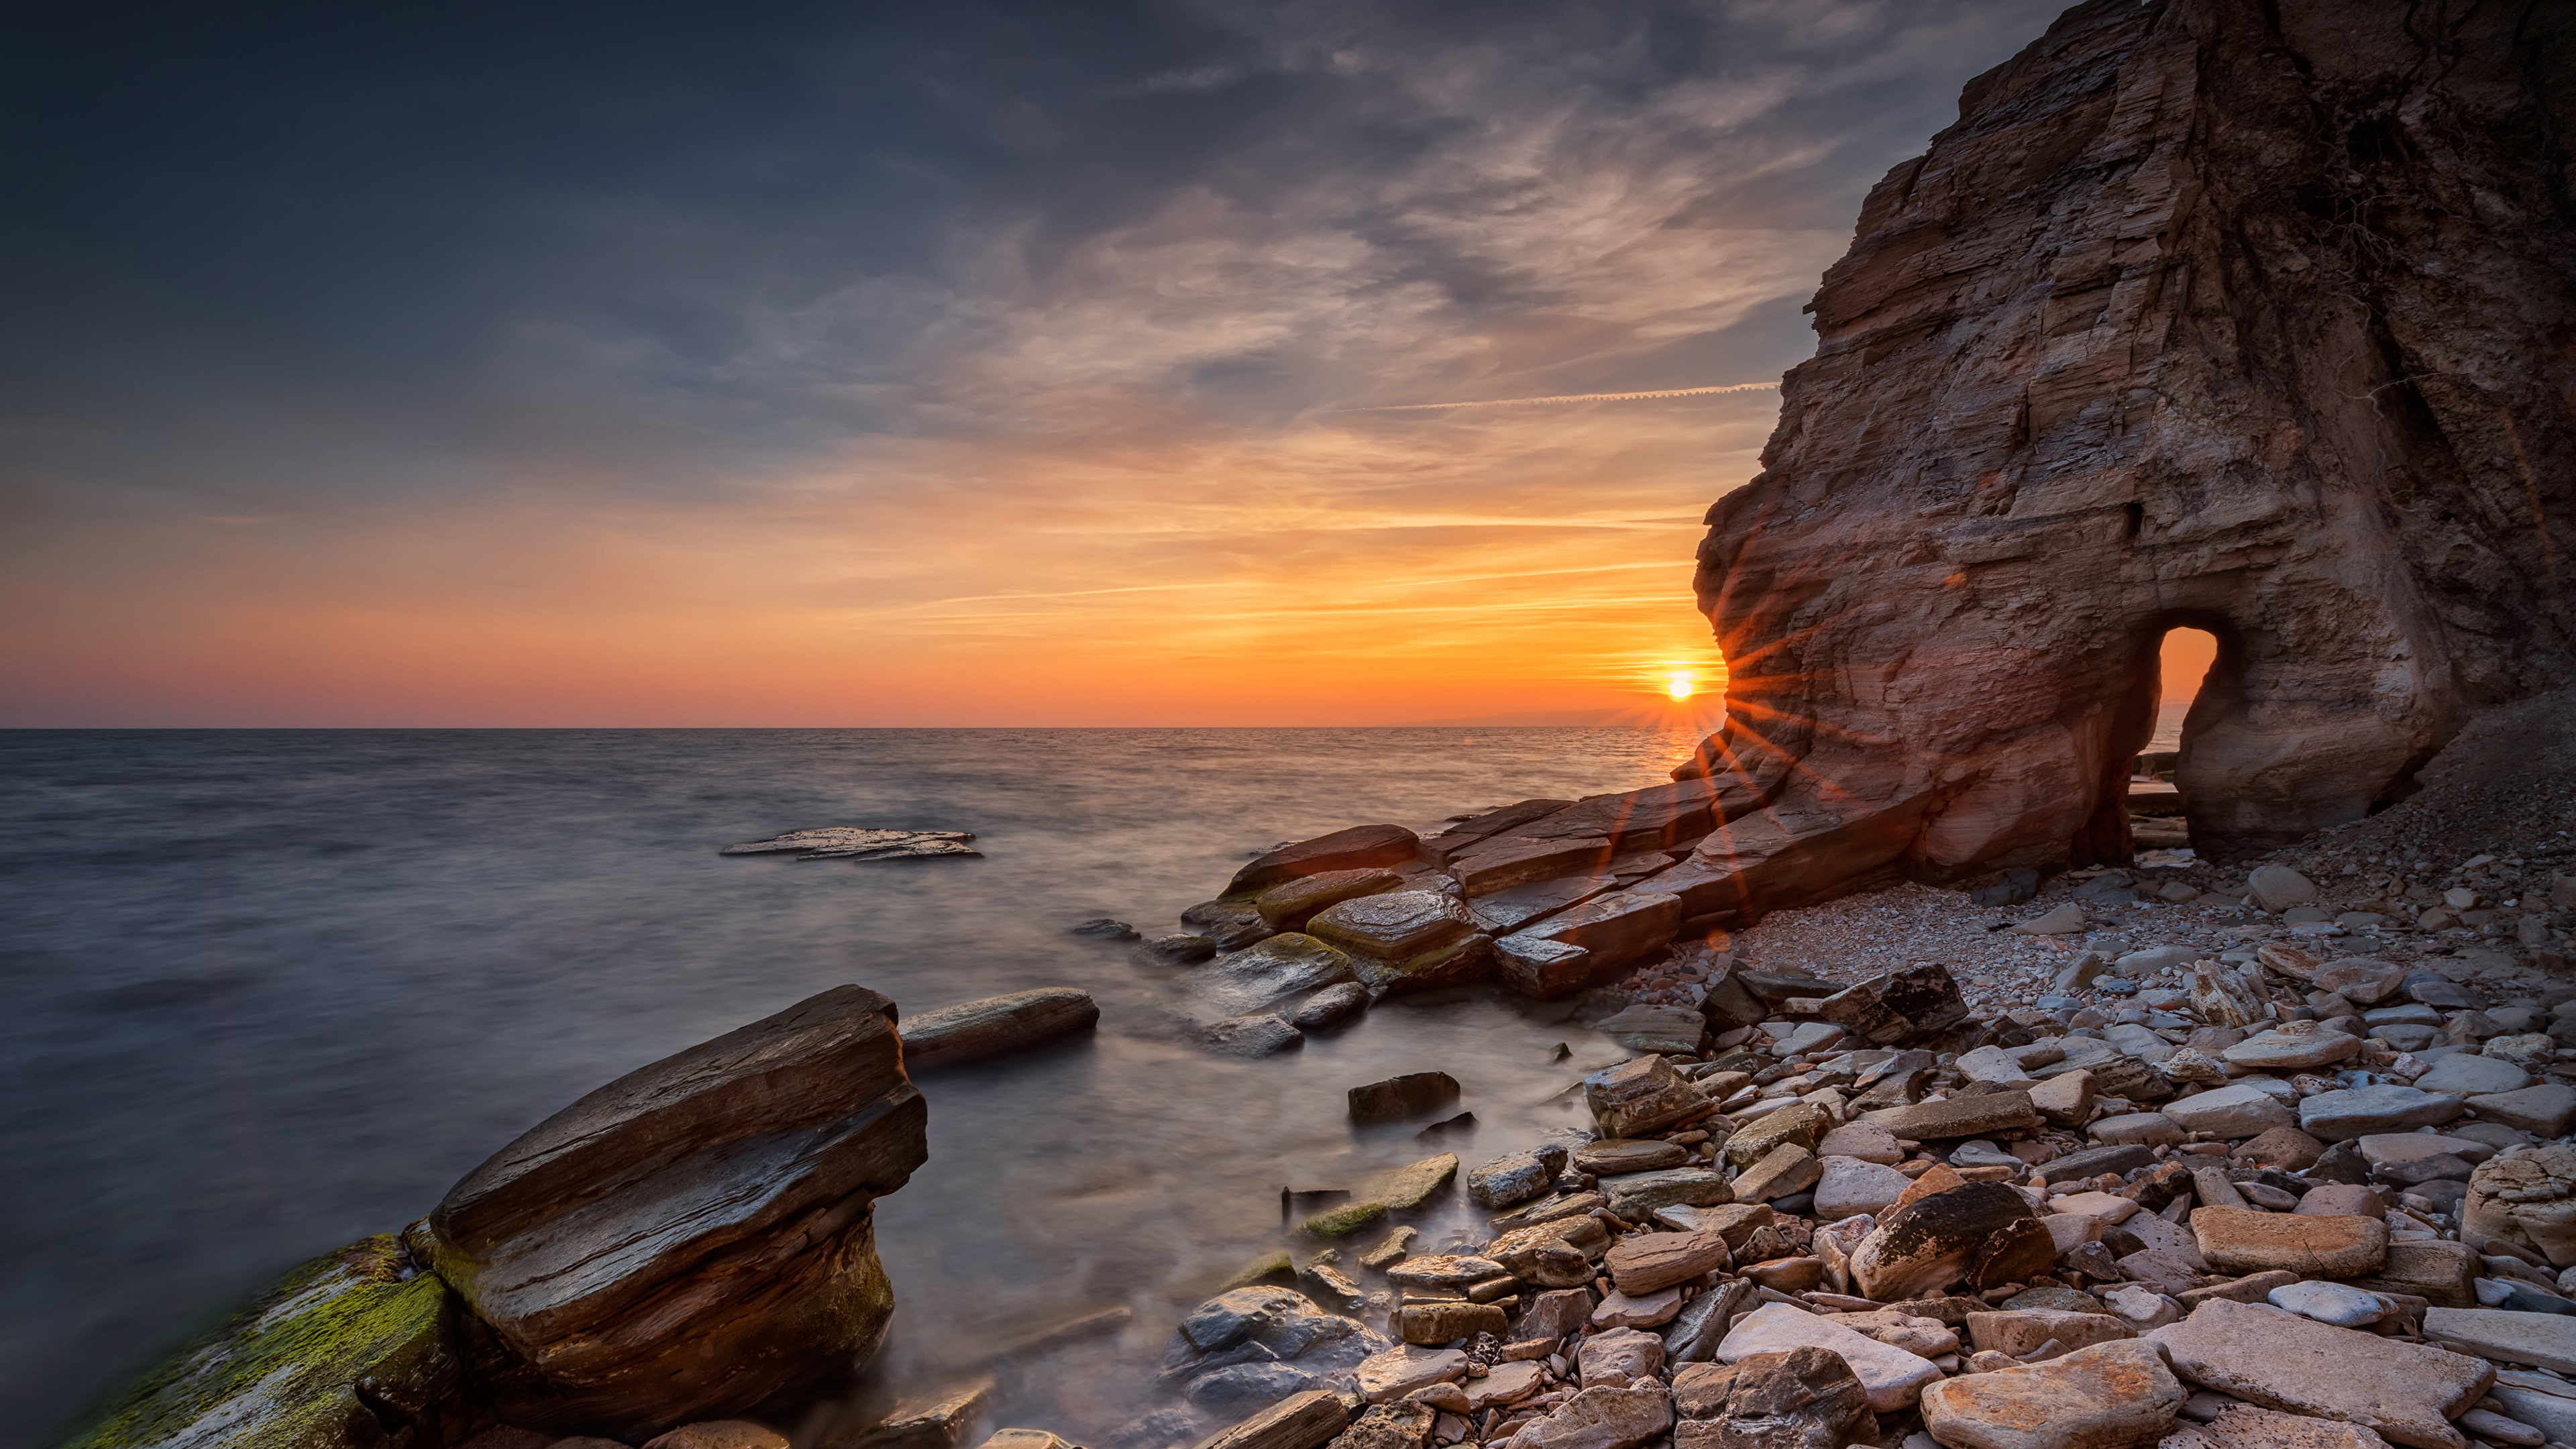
x=2192 y=1154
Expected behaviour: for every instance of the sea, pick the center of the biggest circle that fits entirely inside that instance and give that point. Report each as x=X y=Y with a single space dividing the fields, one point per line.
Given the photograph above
x=268 y=992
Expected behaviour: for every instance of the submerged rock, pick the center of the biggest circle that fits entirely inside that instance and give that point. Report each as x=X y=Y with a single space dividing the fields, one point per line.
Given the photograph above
x=341 y=1353
x=842 y=842
x=729 y=1187
x=974 y=1031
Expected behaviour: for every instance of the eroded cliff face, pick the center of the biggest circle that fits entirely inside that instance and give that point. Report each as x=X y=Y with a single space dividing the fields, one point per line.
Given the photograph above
x=2259 y=318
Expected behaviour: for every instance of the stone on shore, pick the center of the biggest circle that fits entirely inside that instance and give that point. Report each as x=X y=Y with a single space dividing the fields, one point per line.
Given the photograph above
x=1289 y=905
x=1516 y=1178
x=1330 y=1007
x=1361 y=847
x=1637 y=1195
x=1613 y=930
x=1303 y=1421
x=975 y=1031
x=1610 y=1156
x=1642 y=1096
x=1619 y=1357
x=2233 y=1112
x=1602 y=1418
x=1849 y=1185
x=1254 y=1034
x=1967 y=1231
x=1268 y=972
x=1951 y=1118
x=2546 y=1110
x=2282 y=1361
x=850 y=842
x=1406 y=940
x=2109 y=1396
x=1804 y=1398
x=2243 y=1426
x=2527 y=1200
x=1648 y=1262
x=1386 y=1377
x=2361 y=1111
x=718 y=1434
x=1892 y=1377
x=2542 y=1340
x=2022 y=1332
x=766 y=1144
x=2249 y=1240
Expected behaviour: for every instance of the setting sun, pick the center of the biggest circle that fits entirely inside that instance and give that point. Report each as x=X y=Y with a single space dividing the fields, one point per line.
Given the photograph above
x=1679 y=686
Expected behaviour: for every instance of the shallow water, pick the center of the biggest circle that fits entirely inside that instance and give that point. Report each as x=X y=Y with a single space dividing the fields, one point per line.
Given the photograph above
x=271 y=991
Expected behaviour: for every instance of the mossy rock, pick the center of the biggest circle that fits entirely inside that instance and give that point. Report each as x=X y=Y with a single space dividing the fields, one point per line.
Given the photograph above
x=341 y=1353
x=1343 y=1221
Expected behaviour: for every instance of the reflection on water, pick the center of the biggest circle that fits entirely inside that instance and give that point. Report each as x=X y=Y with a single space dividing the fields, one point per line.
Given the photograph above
x=271 y=991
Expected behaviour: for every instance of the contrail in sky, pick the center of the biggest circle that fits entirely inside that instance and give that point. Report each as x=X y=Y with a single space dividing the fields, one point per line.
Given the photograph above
x=1525 y=402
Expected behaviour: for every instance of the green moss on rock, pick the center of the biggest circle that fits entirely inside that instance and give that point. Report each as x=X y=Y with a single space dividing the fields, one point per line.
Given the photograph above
x=341 y=1353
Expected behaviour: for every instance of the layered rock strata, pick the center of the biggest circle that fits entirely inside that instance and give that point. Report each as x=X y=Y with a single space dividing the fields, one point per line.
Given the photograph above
x=695 y=1237
x=2206 y=313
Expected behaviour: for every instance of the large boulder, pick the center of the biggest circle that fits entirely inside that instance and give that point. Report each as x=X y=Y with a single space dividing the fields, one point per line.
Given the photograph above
x=696 y=1237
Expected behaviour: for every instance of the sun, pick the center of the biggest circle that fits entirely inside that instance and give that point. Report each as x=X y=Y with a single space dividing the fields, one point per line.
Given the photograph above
x=1679 y=686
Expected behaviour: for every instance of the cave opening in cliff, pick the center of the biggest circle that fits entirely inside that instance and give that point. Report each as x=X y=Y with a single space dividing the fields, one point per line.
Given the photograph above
x=2185 y=656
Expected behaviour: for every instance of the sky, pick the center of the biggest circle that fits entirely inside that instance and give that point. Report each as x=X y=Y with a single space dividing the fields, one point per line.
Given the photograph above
x=861 y=364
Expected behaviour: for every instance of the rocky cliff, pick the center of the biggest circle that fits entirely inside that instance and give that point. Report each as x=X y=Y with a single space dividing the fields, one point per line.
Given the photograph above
x=2252 y=317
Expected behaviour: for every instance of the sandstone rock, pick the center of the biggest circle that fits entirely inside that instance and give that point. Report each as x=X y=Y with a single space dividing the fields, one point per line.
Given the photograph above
x=1988 y=493
x=1305 y=1421
x=2547 y=1110
x=729 y=1184
x=1386 y=1377
x=2543 y=1340
x=2063 y=920
x=1647 y=1262
x=1898 y=1006
x=1619 y=1357
x=2282 y=1361
x=1266 y=973
x=1507 y=911
x=1848 y=1185
x=1612 y=930
x=2276 y=888
x=2240 y=1111
x=1433 y=1324
x=1398 y=1098
x=1405 y=940
x=1783 y=1171
x=2358 y=979
x=976 y=1030
x=847 y=842
x=1182 y=949
x=2248 y=1240
x=1601 y=1419
x=2441 y=1273
x=1950 y=1118
x=1360 y=847
x=2022 y=1332
x=1405 y=1425
x=2334 y=1303
x=943 y=1420
x=1967 y=1231
x=1891 y=1376
x=1330 y=1007
x=2527 y=1200
x=1805 y=1398
x=2109 y=1396
x=1506 y=1383
x=1864 y=1141
x=2342 y=1199
x=1289 y=905
x=2360 y=1111
x=341 y=1351
x=2292 y=1046
x=1656 y=1029
x=1701 y=1326
x=1800 y=1124
x=2282 y=1147
x=1254 y=1034
x=2243 y=1426
x=2065 y=1100
x=1646 y=1310
x=1554 y=1315
x=1610 y=1156
x=2464 y=1074
x=2137 y=1129
x=1641 y=1096
x=1789 y=853
x=1516 y=1178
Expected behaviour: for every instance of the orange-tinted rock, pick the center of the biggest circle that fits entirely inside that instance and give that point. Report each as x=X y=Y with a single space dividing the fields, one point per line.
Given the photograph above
x=2204 y=313
x=1358 y=848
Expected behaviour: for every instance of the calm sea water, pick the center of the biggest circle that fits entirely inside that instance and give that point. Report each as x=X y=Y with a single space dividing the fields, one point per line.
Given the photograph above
x=268 y=992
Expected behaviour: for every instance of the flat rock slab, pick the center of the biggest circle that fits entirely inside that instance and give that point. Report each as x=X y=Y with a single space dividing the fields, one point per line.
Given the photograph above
x=1358 y=848
x=1892 y=1376
x=1648 y=1262
x=974 y=1031
x=1954 y=1117
x=2249 y=1240
x=2109 y=1396
x=2243 y=1426
x=2361 y=1111
x=1603 y=1418
x=1301 y=1421
x=2547 y=1110
x=2543 y=1340
x=846 y=842
x=1609 y=1157
x=2279 y=1360
x=2238 y=1111
x=1386 y=1377
x=2292 y=1046
x=2466 y=1074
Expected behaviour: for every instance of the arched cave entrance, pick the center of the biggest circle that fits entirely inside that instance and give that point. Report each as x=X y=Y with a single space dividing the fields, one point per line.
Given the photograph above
x=2189 y=666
